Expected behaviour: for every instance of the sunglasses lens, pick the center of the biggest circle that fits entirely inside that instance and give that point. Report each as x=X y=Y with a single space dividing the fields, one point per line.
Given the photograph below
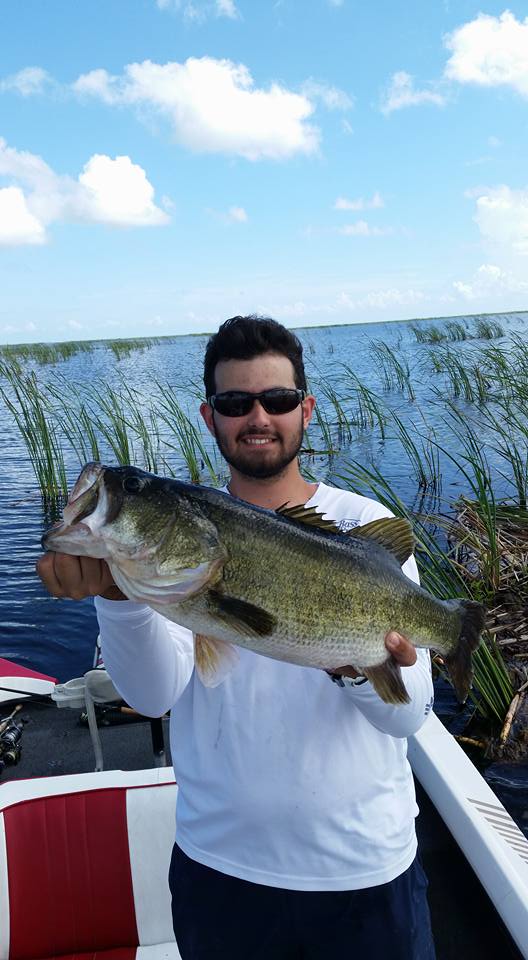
x=234 y=404
x=280 y=401
x=239 y=404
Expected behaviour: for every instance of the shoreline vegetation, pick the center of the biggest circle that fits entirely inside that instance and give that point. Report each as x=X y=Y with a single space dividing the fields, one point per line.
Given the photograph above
x=65 y=348
x=475 y=546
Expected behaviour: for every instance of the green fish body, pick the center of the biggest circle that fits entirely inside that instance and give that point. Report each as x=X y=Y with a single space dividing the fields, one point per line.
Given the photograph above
x=286 y=585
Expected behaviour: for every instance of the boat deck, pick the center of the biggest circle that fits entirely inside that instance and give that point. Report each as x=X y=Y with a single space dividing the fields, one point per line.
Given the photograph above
x=464 y=919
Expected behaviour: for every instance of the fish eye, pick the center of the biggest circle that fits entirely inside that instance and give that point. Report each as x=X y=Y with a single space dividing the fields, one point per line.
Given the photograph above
x=132 y=484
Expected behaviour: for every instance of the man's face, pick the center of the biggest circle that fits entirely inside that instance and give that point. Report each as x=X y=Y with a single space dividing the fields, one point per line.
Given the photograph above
x=258 y=445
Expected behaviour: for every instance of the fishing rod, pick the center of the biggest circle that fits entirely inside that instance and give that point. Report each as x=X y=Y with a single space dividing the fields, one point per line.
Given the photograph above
x=5 y=723
x=10 y=737
x=42 y=697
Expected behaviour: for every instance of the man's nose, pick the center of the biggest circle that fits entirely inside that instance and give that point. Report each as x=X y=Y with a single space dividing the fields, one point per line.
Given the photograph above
x=258 y=415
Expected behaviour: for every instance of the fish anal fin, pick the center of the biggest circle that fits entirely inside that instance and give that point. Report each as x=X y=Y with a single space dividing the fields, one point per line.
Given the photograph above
x=213 y=659
x=387 y=681
x=393 y=533
x=241 y=616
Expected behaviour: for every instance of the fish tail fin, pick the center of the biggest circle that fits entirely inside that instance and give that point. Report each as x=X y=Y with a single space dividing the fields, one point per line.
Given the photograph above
x=458 y=662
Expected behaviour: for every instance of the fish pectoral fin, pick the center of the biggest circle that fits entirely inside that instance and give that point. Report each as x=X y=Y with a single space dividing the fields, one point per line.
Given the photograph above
x=387 y=681
x=165 y=590
x=241 y=616
x=213 y=659
x=393 y=533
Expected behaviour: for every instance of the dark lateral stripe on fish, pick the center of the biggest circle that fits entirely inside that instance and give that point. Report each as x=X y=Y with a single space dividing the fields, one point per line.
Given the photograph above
x=242 y=615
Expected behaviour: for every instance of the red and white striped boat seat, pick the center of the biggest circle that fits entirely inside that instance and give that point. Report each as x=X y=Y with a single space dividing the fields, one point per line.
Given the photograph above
x=84 y=862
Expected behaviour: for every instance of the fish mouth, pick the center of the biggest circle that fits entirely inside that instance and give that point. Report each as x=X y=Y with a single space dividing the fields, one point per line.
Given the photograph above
x=85 y=513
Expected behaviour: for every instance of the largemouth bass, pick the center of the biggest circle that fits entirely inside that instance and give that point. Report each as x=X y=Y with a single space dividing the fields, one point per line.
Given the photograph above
x=285 y=584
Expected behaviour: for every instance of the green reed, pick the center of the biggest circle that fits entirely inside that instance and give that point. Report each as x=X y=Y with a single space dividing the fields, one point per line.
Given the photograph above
x=342 y=421
x=431 y=334
x=456 y=331
x=370 y=410
x=486 y=329
x=394 y=371
x=34 y=419
x=508 y=428
x=422 y=454
x=462 y=375
x=473 y=464
x=189 y=438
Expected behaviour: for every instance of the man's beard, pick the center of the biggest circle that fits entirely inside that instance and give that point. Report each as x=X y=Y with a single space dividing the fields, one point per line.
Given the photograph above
x=249 y=466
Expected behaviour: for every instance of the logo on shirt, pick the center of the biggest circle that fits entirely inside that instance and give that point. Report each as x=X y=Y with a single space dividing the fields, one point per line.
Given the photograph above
x=346 y=525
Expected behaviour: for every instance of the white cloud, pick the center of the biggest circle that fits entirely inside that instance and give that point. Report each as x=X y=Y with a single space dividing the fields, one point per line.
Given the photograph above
x=213 y=106
x=345 y=302
x=402 y=93
x=332 y=97
x=117 y=192
x=490 y=52
x=488 y=280
x=227 y=8
x=98 y=83
x=494 y=142
x=199 y=10
x=362 y=229
x=17 y=224
x=342 y=203
x=237 y=214
x=390 y=298
x=233 y=215
x=502 y=216
x=27 y=82
x=111 y=191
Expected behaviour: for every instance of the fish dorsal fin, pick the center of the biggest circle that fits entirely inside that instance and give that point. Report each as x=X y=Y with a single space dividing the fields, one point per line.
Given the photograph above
x=308 y=515
x=393 y=533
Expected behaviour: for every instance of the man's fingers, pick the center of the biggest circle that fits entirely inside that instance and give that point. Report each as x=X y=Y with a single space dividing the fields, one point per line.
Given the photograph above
x=74 y=577
x=96 y=576
x=401 y=648
x=69 y=574
x=45 y=567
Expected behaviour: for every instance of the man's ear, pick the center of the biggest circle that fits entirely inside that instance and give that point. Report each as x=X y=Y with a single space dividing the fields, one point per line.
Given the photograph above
x=207 y=413
x=308 y=408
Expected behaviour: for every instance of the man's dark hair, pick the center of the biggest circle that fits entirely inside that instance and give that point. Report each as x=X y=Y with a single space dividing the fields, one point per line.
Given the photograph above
x=242 y=338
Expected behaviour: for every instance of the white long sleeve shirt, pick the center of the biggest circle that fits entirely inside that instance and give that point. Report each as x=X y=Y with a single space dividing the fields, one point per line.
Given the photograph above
x=285 y=779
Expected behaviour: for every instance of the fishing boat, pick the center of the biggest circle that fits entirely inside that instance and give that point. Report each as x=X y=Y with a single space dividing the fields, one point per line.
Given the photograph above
x=85 y=854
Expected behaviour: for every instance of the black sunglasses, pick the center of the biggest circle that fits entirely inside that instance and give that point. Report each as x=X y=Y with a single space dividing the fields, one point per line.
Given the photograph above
x=238 y=403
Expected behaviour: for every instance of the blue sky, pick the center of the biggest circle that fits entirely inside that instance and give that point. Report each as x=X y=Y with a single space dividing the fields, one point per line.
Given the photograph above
x=165 y=164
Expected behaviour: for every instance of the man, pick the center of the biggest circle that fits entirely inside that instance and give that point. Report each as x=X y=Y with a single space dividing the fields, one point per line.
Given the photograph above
x=295 y=817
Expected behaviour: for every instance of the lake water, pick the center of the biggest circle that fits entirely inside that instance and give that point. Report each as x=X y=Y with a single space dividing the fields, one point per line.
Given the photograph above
x=58 y=636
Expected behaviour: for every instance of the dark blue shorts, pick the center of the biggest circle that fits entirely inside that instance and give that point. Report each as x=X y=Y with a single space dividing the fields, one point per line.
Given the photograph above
x=218 y=917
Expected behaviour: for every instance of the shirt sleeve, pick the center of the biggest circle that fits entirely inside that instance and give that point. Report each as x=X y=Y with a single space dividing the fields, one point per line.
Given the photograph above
x=400 y=720
x=149 y=658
